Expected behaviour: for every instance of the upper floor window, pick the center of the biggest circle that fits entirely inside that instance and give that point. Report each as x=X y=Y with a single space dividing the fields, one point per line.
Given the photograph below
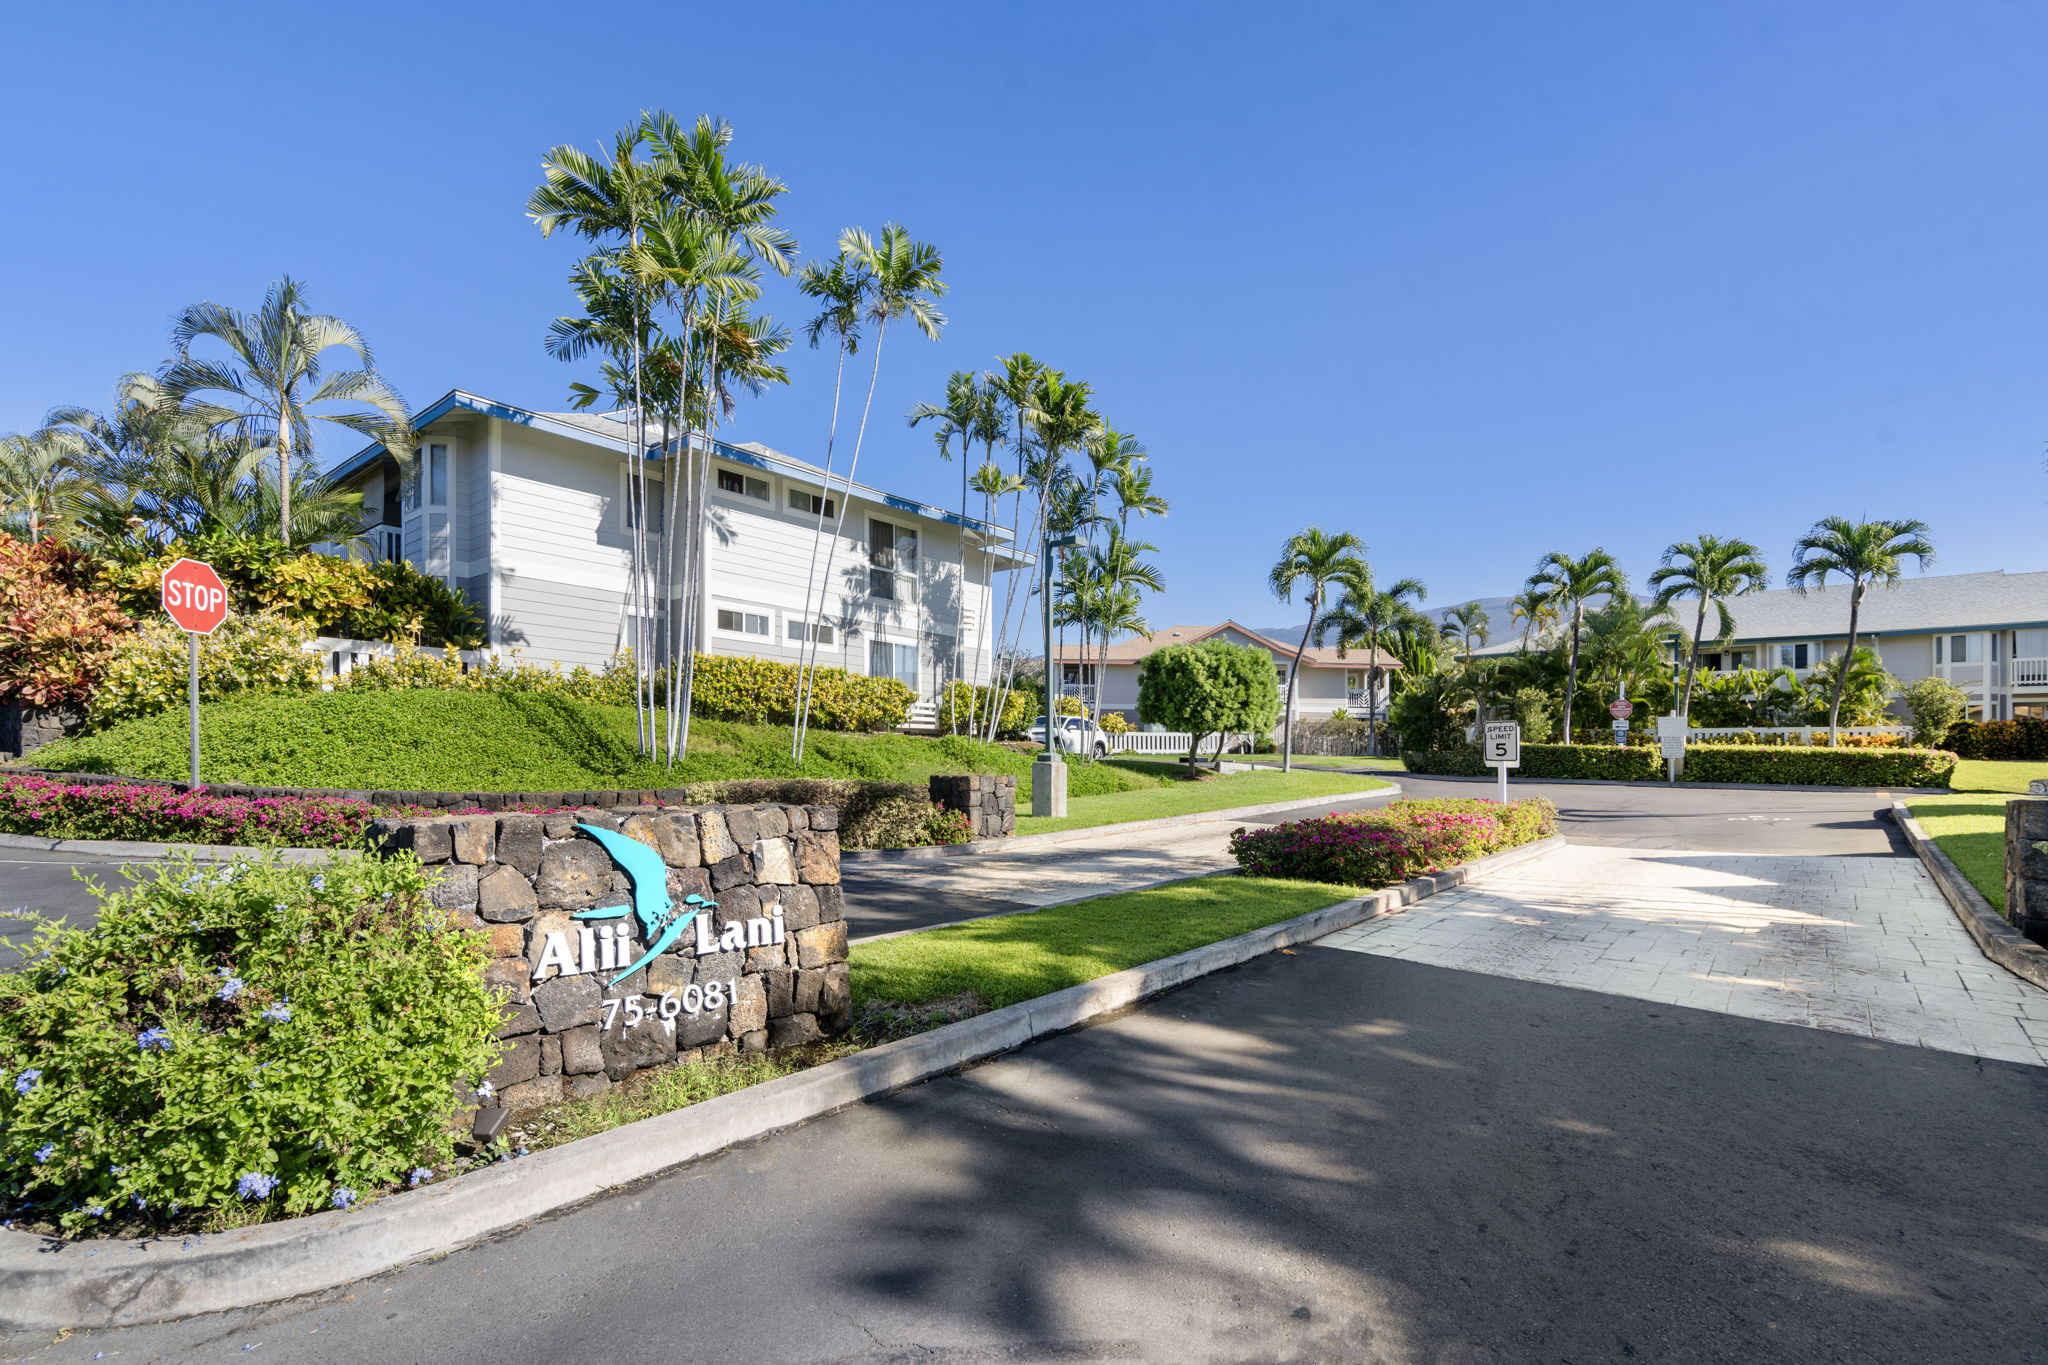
x=892 y=561
x=742 y=622
x=744 y=485
x=2030 y=644
x=428 y=486
x=801 y=500
x=631 y=503
x=1959 y=649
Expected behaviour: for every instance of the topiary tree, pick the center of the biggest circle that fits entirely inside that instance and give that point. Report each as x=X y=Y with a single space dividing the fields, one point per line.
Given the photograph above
x=1208 y=689
x=1936 y=704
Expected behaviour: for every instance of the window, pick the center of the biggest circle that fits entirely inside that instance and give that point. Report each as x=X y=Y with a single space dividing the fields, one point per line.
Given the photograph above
x=745 y=485
x=892 y=556
x=813 y=503
x=1082 y=674
x=822 y=634
x=742 y=622
x=631 y=502
x=1793 y=656
x=437 y=476
x=2030 y=644
x=893 y=661
x=1958 y=649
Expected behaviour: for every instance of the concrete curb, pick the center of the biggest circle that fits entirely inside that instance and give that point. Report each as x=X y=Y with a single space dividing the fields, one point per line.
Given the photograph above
x=46 y=1285
x=134 y=848
x=1026 y=842
x=2000 y=942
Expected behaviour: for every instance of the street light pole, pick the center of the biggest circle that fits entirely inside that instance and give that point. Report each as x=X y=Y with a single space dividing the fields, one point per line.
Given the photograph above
x=1049 y=775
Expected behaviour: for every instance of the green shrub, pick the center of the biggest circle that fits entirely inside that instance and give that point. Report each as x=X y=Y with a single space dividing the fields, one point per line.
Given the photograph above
x=1209 y=688
x=1999 y=739
x=223 y=1027
x=1393 y=843
x=250 y=653
x=1423 y=718
x=965 y=703
x=1530 y=706
x=871 y=814
x=1808 y=767
x=1603 y=762
x=1935 y=704
x=57 y=630
x=763 y=692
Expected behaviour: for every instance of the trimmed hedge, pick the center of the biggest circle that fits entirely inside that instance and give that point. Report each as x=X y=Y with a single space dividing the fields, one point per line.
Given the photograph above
x=1601 y=761
x=1401 y=840
x=1820 y=767
x=1999 y=739
x=763 y=692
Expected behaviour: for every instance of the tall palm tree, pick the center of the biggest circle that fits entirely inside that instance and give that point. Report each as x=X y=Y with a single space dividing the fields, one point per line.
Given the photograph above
x=1863 y=553
x=1570 y=584
x=1710 y=570
x=275 y=386
x=1368 y=616
x=1014 y=389
x=42 y=478
x=1466 y=623
x=994 y=483
x=1312 y=562
x=1134 y=497
x=961 y=417
x=1117 y=565
x=903 y=282
x=1535 y=611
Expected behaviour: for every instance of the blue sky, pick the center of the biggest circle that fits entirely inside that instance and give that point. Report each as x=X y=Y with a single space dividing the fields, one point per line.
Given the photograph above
x=1474 y=281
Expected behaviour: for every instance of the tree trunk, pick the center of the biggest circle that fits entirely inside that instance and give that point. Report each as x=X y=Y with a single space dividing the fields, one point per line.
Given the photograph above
x=1842 y=673
x=805 y=646
x=284 y=478
x=1194 y=750
x=1692 y=667
x=1293 y=676
x=1571 y=680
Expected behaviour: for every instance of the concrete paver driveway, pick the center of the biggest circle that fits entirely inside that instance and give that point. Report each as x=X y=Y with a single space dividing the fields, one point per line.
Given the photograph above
x=1857 y=944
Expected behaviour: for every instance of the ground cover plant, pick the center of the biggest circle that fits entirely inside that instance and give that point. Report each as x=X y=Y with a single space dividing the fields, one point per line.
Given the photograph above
x=233 y=1042
x=1393 y=843
x=127 y=810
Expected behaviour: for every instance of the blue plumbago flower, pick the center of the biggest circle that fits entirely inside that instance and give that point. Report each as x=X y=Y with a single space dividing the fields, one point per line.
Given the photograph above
x=319 y=882
x=98 y=1210
x=280 y=1013
x=420 y=1174
x=45 y=1152
x=282 y=907
x=229 y=989
x=153 y=1038
x=26 y=1081
x=255 y=1186
x=140 y=1202
x=486 y=1090
x=117 y=1170
x=343 y=1197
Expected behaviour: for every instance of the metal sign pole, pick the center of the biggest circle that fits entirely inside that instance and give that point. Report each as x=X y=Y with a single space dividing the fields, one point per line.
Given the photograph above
x=192 y=699
x=1502 y=769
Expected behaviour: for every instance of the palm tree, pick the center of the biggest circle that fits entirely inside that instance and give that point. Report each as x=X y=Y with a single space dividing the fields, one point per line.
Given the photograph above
x=1711 y=570
x=42 y=479
x=963 y=416
x=1863 y=553
x=1368 y=616
x=1570 y=584
x=993 y=482
x=275 y=387
x=1134 y=496
x=1015 y=389
x=1313 y=561
x=1465 y=623
x=1120 y=570
x=903 y=282
x=1535 y=611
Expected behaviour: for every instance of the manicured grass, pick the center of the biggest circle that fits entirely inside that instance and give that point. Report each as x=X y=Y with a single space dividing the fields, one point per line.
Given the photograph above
x=1388 y=762
x=1970 y=826
x=431 y=740
x=1016 y=957
x=1255 y=788
x=1993 y=775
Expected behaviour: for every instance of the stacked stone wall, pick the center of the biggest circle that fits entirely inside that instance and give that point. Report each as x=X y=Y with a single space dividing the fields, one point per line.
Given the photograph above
x=989 y=801
x=775 y=974
x=2026 y=867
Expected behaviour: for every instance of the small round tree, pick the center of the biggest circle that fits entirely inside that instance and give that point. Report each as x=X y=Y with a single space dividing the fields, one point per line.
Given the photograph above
x=1207 y=689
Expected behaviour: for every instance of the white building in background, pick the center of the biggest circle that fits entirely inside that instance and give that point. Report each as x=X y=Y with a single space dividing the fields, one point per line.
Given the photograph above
x=1330 y=683
x=528 y=513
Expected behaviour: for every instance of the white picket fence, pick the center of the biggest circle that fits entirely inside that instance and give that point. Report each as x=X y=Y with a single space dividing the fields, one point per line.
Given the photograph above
x=1169 y=742
x=1805 y=732
x=341 y=656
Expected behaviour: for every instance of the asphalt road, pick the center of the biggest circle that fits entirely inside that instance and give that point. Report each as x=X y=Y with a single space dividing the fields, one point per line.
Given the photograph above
x=45 y=882
x=1321 y=1156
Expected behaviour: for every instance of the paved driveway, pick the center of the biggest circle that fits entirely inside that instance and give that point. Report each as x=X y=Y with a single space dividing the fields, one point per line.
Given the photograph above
x=1857 y=944
x=1323 y=1157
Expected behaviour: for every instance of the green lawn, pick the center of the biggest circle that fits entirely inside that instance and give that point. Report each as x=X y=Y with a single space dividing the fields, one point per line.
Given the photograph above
x=1016 y=957
x=1970 y=825
x=1388 y=763
x=1256 y=788
x=434 y=740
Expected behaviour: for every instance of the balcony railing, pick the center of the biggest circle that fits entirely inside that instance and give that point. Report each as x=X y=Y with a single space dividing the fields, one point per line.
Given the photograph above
x=2030 y=673
x=1082 y=692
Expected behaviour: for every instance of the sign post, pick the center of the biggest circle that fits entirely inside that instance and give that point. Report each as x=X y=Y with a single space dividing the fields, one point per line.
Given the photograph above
x=197 y=602
x=1671 y=741
x=1501 y=746
x=1621 y=710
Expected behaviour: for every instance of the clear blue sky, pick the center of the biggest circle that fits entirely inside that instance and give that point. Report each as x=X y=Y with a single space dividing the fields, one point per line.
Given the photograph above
x=1475 y=281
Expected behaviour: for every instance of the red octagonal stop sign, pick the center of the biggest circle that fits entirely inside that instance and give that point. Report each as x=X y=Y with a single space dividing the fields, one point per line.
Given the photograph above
x=195 y=597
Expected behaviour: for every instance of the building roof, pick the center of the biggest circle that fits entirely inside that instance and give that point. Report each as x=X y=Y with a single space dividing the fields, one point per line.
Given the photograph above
x=1139 y=647
x=1915 y=606
x=615 y=431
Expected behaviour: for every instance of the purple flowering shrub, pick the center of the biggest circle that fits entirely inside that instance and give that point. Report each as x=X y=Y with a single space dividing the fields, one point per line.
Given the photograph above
x=60 y=810
x=1391 y=843
x=235 y=1041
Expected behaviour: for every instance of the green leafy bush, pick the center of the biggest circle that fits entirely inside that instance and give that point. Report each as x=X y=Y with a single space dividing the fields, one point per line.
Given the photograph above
x=1209 y=688
x=251 y=653
x=965 y=703
x=1999 y=739
x=871 y=814
x=230 y=1041
x=1530 y=706
x=1393 y=843
x=763 y=692
x=1423 y=716
x=1809 y=767
x=57 y=629
x=1935 y=704
x=1598 y=761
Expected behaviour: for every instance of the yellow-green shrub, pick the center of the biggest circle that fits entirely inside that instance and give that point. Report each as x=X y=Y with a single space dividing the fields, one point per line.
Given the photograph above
x=253 y=653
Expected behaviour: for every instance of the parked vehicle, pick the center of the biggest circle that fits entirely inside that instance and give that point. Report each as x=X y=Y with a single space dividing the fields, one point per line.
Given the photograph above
x=1076 y=735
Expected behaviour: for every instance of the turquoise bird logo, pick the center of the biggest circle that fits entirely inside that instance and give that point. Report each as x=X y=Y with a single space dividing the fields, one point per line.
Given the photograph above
x=662 y=921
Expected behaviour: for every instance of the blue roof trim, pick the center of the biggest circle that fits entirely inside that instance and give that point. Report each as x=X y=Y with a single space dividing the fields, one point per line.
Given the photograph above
x=456 y=398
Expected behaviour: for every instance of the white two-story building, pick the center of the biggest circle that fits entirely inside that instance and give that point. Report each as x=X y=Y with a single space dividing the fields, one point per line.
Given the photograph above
x=529 y=514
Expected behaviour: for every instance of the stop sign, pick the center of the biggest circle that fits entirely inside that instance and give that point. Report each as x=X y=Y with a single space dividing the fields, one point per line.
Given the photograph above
x=1621 y=710
x=195 y=597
